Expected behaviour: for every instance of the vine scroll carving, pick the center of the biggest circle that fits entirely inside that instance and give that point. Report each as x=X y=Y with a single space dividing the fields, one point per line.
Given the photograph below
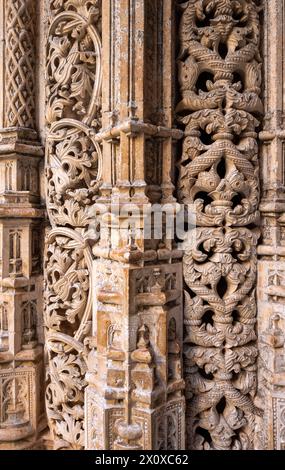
x=73 y=170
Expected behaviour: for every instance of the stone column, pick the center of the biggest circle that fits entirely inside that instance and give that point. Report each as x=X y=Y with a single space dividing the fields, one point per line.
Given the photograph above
x=21 y=368
x=271 y=267
x=73 y=174
x=134 y=398
x=219 y=70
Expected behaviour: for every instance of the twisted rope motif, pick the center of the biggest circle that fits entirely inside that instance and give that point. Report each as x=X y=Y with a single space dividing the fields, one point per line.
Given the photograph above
x=20 y=62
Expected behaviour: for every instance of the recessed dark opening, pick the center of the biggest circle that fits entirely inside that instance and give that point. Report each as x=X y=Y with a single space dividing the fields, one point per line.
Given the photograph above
x=186 y=162
x=208 y=317
x=202 y=195
x=201 y=83
x=236 y=139
x=206 y=139
x=205 y=434
x=223 y=50
x=206 y=21
x=221 y=168
x=237 y=199
x=202 y=249
x=189 y=291
x=221 y=405
x=238 y=78
x=235 y=316
x=208 y=376
x=222 y=287
x=237 y=16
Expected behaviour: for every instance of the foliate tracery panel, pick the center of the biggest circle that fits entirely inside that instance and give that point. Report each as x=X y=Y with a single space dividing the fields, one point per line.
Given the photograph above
x=73 y=171
x=74 y=61
x=219 y=71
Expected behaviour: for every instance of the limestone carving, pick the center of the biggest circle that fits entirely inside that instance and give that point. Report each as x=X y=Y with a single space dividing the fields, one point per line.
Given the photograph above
x=219 y=72
x=74 y=62
x=271 y=267
x=73 y=169
x=20 y=64
x=153 y=340
x=135 y=384
x=22 y=417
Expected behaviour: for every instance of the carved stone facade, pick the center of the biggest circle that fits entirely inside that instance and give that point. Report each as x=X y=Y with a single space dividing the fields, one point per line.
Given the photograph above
x=22 y=414
x=73 y=173
x=270 y=289
x=135 y=385
x=145 y=110
x=220 y=77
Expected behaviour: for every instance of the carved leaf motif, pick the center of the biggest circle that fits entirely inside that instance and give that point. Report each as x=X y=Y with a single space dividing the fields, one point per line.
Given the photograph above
x=72 y=433
x=73 y=61
x=73 y=179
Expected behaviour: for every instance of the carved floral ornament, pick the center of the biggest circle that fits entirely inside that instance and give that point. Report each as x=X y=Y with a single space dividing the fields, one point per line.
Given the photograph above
x=73 y=169
x=74 y=62
x=220 y=78
x=113 y=306
x=219 y=73
x=73 y=173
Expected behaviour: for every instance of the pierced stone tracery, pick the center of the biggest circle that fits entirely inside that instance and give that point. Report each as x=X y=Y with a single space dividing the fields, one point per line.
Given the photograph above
x=220 y=79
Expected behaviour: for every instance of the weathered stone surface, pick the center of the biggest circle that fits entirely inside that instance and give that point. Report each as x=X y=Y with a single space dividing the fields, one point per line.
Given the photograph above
x=22 y=416
x=270 y=288
x=150 y=343
x=219 y=71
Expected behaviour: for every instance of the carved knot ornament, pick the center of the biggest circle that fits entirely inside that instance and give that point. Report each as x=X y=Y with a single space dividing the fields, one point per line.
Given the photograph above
x=219 y=71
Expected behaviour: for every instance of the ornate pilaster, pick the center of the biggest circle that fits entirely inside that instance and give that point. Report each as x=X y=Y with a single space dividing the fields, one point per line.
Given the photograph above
x=134 y=398
x=73 y=173
x=271 y=266
x=219 y=69
x=21 y=368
